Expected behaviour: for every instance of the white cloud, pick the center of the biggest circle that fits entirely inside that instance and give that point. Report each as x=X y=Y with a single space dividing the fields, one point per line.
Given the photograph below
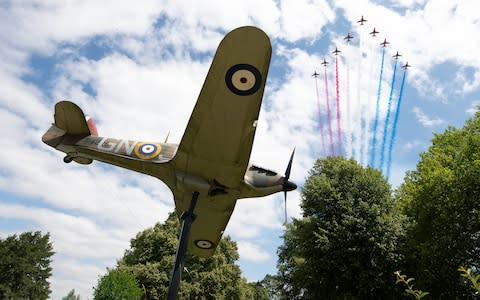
x=297 y=20
x=473 y=107
x=471 y=85
x=426 y=120
x=54 y=22
x=252 y=252
x=411 y=145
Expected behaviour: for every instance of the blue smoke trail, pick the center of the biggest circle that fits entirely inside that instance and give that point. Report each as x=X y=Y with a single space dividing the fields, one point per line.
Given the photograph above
x=377 y=112
x=395 y=121
x=387 y=119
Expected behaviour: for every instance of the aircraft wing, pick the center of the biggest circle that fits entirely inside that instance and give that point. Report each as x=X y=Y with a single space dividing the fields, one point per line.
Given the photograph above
x=211 y=217
x=216 y=145
x=218 y=139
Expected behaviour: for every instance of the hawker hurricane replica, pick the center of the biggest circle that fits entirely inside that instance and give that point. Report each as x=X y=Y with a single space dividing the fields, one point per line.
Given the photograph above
x=209 y=170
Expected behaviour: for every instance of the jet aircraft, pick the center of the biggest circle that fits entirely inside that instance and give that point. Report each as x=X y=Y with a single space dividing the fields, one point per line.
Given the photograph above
x=349 y=37
x=315 y=74
x=336 y=51
x=406 y=66
x=374 y=32
x=324 y=63
x=384 y=43
x=397 y=55
x=361 y=21
x=209 y=170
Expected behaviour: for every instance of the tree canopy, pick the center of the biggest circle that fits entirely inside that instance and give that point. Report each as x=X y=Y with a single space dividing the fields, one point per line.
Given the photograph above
x=151 y=256
x=345 y=246
x=117 y=284
x=25 y=266
x=442 y=199
x=71 y=296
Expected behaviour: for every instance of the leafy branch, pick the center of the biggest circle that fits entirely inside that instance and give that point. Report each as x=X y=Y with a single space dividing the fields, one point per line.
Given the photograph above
x=474 y=278
x=418 y=294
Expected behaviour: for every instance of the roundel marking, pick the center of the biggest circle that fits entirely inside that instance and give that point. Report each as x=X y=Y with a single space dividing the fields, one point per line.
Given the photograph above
x=147 y=150
x=243 y=79
x=204 y=244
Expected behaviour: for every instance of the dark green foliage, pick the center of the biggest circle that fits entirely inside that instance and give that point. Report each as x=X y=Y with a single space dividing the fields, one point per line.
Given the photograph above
x=71 y=296
x=345 y=247
x=272 y=286
x=25 y=266
x=151 y=258
x=117 y=284
x=256 y=291
x=442 y=199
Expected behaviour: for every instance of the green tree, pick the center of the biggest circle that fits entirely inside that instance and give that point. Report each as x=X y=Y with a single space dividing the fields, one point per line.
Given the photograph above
x=117 y=284
x=25 y=266
x=151 y=257
x=345 y=246
x=71 y=296
x=271 y=284
x=442 y=198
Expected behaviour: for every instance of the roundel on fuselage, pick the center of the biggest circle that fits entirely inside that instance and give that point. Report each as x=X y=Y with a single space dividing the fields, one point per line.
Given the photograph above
x=243 y=79
x=147 y=150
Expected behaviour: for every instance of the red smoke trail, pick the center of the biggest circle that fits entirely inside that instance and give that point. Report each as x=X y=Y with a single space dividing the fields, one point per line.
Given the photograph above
x=320 y=121
x=329 y=118
x=339 y=128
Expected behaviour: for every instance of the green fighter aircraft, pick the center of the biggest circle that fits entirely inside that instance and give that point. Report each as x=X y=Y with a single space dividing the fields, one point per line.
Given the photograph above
x=209 y=170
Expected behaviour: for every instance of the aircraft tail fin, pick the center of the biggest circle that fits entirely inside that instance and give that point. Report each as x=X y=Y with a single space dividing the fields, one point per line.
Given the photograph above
x=69 y=117
x=69 y=120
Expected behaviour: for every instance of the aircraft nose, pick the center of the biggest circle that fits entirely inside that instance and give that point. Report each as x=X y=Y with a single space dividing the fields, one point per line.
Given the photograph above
x=289 y=186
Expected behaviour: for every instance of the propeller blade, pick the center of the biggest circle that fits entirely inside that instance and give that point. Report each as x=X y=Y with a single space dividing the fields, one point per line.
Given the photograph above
x=287 y=185
x=289 y=166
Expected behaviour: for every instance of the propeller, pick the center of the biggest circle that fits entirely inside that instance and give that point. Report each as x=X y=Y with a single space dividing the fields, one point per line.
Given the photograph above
x=288 y=185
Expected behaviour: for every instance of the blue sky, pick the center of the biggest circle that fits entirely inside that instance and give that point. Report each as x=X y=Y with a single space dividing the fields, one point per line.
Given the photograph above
x=137 y=69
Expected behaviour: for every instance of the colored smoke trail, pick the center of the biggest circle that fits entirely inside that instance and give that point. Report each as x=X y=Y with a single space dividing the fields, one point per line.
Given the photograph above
x=329 y=117
x=348 y=129
x=320 y=121
x=387 y=119
x=377 y=112
x=339 y=128
x=395 y=122
x=358 y=115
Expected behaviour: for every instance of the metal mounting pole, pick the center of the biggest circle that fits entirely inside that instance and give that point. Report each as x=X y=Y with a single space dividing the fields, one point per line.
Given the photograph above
x=188 y=217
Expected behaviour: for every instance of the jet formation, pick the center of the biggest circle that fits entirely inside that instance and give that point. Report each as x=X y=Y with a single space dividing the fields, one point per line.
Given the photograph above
x=373 y=33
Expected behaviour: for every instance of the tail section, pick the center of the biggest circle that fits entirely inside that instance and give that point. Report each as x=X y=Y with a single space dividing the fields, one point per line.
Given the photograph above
x=69 y=117
x=70 y=125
